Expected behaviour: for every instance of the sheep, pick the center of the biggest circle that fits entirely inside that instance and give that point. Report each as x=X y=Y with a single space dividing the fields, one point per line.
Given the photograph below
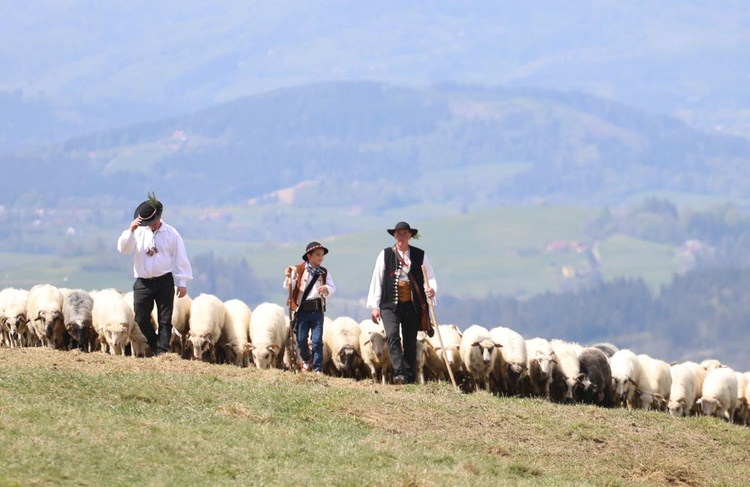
x=114 y=322
x=341 y=352
x=207 y=319
x=741 y=411
x=654 y=383
x=236 y=332
x=541 y=363
x=374 y=350
x=180 y=323
x=711 y=364
x=450 y=351
x=719 y=393
x=269 y=332
x=700 y=375
x=625 y=369
x=682 y=393
x=44 y=311
x=747 y=397
x=13 y=318
x=477 y=353
x=566 y=373
x=595 y=378
x=78 y=307
x=425 y=353
x=511 y=364
x=607 y=348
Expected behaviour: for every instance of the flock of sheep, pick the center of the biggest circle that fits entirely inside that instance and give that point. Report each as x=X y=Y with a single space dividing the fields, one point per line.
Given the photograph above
x=498 y=360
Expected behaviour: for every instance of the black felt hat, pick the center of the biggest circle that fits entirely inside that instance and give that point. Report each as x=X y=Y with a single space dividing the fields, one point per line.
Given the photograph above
x=403 y=226
x=149 y=210
x=312 y=246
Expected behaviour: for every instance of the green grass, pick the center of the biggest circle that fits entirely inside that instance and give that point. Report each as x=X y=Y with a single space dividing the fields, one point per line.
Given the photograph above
x=90 y=419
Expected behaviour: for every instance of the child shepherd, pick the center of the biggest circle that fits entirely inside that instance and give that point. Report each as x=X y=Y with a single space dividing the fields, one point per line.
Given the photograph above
x=311 y=284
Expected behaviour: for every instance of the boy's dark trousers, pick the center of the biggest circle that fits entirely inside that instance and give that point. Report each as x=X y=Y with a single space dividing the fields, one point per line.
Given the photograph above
x=145 y=292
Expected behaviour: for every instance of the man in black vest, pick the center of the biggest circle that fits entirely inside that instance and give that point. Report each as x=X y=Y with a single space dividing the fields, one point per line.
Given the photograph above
x=393 y=298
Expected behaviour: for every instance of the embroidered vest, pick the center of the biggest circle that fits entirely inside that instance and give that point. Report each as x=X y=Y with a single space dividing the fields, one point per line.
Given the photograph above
x=299 y=289
x=391 y=276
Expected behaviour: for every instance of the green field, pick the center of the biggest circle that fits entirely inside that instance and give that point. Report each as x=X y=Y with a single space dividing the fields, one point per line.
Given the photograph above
x=491 y=251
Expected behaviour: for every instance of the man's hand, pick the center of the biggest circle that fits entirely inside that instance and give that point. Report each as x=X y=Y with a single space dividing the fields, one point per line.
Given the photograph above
x=181 y=291
x=430 y=292
x=375 y=315
x=135 y=224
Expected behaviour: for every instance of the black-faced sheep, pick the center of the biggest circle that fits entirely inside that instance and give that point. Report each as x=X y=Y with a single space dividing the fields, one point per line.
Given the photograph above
x=595 y=378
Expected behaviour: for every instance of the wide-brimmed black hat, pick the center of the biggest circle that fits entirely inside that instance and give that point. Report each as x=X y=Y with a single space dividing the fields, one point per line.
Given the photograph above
x=312 y=246
x=148 y=212
x=403 y=226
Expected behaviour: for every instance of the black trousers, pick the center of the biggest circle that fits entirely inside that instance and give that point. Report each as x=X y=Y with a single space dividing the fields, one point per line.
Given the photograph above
x=145 y=293
x=405 y=315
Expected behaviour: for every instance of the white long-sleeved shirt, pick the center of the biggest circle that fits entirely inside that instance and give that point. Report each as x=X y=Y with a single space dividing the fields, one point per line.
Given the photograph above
x=171 y=255
x=376 y=283
x=314 y=293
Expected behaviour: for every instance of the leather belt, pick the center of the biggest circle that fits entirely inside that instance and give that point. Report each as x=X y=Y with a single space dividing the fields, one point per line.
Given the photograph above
x=311 y=305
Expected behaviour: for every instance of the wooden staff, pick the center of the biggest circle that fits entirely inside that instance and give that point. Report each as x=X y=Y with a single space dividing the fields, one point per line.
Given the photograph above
x=437 y=330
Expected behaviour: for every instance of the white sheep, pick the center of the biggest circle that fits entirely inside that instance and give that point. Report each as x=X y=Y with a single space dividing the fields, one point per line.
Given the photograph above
x=478 y=351
x=44 y=311
x=449 y=351
x=711 y=364
x=425 y=353
x=236 y=332
x=374 y=350
x=682 y=393
x=510 y=367
x=341 y=352
x=180 y=323
x=13 y=317
x=114 y=322
x=268 y=335
x=626 y=371
x=741 y=410
x=207 y=319
x=78 y=308
x=719 y=393
x=654 y=383
x=747 y=397
x=700 y=375
x=541 y=364
x=566 y=373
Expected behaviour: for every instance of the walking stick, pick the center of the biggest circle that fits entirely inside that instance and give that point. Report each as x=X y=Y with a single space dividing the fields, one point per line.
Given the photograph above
x=437 y=330
x=292 y=345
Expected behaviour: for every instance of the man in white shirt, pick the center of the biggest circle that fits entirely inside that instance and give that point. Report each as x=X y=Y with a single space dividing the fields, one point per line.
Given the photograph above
x=393 y=298
x=160 y=262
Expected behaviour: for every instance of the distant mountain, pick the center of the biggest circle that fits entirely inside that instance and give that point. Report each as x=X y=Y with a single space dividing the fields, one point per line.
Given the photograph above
x=382 y=146
x=109 y=64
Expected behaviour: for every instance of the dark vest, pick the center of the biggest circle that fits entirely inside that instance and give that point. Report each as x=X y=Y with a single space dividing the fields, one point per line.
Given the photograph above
x=389 y=296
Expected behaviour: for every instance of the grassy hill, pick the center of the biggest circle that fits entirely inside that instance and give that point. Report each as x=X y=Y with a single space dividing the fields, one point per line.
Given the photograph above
x=90 y=419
